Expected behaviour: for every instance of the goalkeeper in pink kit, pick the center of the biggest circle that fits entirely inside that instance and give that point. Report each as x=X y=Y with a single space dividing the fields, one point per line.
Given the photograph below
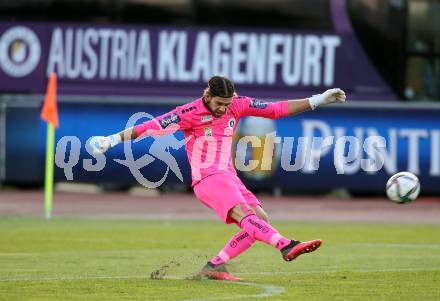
x=208 y=124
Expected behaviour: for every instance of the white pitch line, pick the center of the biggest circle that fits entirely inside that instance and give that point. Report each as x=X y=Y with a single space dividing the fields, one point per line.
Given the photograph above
x=268 y=290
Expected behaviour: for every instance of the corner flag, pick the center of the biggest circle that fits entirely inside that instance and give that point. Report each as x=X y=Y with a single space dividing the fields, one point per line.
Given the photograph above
x=49 y=113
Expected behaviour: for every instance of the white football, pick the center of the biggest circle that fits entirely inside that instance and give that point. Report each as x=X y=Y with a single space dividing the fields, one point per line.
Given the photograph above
x=403 y=187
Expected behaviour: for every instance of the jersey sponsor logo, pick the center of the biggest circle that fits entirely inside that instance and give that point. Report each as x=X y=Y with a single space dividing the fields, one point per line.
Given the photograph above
x=257 y=104
x=206 y=118
x=170 y=119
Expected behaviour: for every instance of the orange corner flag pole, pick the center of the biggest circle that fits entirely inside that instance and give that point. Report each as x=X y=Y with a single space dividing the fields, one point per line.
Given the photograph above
x=49 y=113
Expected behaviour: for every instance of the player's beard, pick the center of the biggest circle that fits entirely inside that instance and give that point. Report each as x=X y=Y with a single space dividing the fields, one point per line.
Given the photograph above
x=218 y=114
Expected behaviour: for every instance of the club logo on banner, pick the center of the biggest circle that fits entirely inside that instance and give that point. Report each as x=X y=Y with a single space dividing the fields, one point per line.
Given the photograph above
x=20 y=51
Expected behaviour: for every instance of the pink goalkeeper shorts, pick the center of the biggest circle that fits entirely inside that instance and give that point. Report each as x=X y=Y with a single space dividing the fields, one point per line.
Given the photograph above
x=223 y=191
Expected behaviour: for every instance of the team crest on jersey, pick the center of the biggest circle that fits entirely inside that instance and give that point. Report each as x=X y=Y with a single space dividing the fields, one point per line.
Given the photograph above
x=257 y=104
x=206 y=118
x=208 y=132
x=169 y=120
x=232 y=122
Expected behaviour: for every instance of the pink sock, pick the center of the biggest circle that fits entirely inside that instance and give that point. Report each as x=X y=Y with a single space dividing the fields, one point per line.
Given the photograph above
x=261 y=230
x=239 y=243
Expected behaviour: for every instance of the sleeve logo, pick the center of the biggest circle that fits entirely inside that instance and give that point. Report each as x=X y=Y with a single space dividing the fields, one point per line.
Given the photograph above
x=168 y=120
x=257 y=104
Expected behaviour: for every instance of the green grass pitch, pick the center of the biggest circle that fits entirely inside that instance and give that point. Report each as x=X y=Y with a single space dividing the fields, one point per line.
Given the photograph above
x=112 y=259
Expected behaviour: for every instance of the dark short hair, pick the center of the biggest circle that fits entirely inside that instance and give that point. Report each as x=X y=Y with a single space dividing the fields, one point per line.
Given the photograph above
x=221 y=86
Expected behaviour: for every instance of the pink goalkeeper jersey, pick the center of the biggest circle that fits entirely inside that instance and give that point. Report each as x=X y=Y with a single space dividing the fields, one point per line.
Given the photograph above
x=209 y=138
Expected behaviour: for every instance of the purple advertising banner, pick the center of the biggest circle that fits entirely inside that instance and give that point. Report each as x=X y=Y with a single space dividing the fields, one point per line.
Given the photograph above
x=178 y=61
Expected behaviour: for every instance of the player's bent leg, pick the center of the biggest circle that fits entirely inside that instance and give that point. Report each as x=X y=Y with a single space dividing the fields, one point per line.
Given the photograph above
x=263 y=231
x=216 y=267
x=248 y=220
x=239 y=243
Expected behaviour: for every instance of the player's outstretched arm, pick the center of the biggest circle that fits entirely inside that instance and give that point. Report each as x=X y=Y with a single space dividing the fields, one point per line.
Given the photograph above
x=330 y=96
x=100 y=144
x=165 y=124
